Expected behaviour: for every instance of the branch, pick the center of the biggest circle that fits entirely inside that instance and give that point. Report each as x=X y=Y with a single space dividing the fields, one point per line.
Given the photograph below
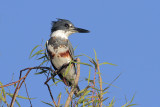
x=24 y=76
x=17 y=89
x=52 y=76
x=74 y=85
x=100 y=80
x=20 y=84
x=28 y=94
x=50 y=91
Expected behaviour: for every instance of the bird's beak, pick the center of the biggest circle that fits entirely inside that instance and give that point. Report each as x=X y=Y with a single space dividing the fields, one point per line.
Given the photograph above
x=80 y=30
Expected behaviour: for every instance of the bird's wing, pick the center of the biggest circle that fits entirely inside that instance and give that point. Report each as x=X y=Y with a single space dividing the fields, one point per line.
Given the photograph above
x=71 y=51
x=47 y=49
x=49 y=55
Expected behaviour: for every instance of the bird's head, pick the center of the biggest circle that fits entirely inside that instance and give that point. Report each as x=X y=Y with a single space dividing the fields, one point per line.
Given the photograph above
x=66 y=27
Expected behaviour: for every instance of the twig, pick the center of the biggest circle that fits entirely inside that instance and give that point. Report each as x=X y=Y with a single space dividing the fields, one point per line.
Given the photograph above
x=83 y=94
x=93 y=86
x=17 y=89
x=74 y=85
x=24 y=76
x=27 y=94
x=12 y=83
x=19 y=86
x=50 y=91
x=100 y=80
x=59 y=100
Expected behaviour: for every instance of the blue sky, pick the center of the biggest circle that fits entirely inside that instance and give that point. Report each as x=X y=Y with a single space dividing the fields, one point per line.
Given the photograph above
x=123 y=32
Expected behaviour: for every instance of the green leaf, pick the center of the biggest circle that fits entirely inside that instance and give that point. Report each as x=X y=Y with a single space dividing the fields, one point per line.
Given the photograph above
x=33 y=50
x=59 y=95
x=37 y=53
x=94 y=62
x=82 y=91
x=14 y=85
x=41 y=57
x=3 y=91
x=103 y=93
x=105 y=99
x=87 y=103
x=132 y=98
x=98 y=73
x=11 y=95
x=18 y=103
x=78 y=55
x=85 y=93
x=43 y=62
x=125 y=104
x=110 y=84
x=43 y=71
x=87 y=56
x=1 y=97
x=75 y=48
x=89 y=75
x=83 y=63
x=18 y=96
x=107 y=63
x=132 y=105
x=47 y=103
x=68 y=68
x=112 y=103
x=95 y=55
x=55 y=83
x=83 y=100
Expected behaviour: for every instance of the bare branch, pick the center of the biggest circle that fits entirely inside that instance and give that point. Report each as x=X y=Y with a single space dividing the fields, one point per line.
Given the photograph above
x=100 y=80
x=50 y=91
x=17 y=89
x=28 y=94
x=74 y=85
x=59 y=100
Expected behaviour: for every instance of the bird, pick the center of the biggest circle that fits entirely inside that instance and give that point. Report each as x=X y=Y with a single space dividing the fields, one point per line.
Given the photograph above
x=60 y=50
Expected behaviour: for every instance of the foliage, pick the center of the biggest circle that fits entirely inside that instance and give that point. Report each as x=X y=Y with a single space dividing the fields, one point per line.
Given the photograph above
x=91 y=95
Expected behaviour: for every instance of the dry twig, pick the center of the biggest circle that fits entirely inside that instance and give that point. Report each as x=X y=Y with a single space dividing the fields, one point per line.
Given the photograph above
x=100 y=83
x=75 y=84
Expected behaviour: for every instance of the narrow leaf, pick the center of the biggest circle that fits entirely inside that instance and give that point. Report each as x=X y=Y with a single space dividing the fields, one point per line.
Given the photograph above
x=125 y=104
x=18 y=103
x=37 y=53
x=132 y=105
x=107 y=63
x=89 y=75
x=111 y=103
x=43 y=62
x=95 y=54
x=41 y=57
x=43 y=71
x=11 y=95
x=132 y=98
x=87 y=56
x=83 y=63
x=3 y=91
x=68 y=68
x=47 y=103
x=33 y=50
x=15 y=100
x=1 y=97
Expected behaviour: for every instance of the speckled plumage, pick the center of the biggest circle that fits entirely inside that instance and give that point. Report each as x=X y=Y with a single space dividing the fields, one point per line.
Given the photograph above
x=61 y=51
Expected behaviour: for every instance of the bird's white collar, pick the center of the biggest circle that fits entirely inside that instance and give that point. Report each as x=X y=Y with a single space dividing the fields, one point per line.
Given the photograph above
x=61 y=33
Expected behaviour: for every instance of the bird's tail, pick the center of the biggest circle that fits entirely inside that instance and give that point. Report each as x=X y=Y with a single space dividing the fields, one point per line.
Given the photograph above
x=76 y=90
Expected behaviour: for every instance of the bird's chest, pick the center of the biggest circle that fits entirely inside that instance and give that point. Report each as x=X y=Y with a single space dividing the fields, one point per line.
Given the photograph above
x=59 y=55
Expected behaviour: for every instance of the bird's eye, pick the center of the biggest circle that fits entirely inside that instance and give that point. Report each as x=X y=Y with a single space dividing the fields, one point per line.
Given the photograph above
x=66 y=25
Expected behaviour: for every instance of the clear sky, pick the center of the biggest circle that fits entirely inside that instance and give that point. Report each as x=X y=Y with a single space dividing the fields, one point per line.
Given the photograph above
x=123 y=32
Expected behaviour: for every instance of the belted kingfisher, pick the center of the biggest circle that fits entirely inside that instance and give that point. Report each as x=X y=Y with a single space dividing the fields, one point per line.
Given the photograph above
x=60 y=50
